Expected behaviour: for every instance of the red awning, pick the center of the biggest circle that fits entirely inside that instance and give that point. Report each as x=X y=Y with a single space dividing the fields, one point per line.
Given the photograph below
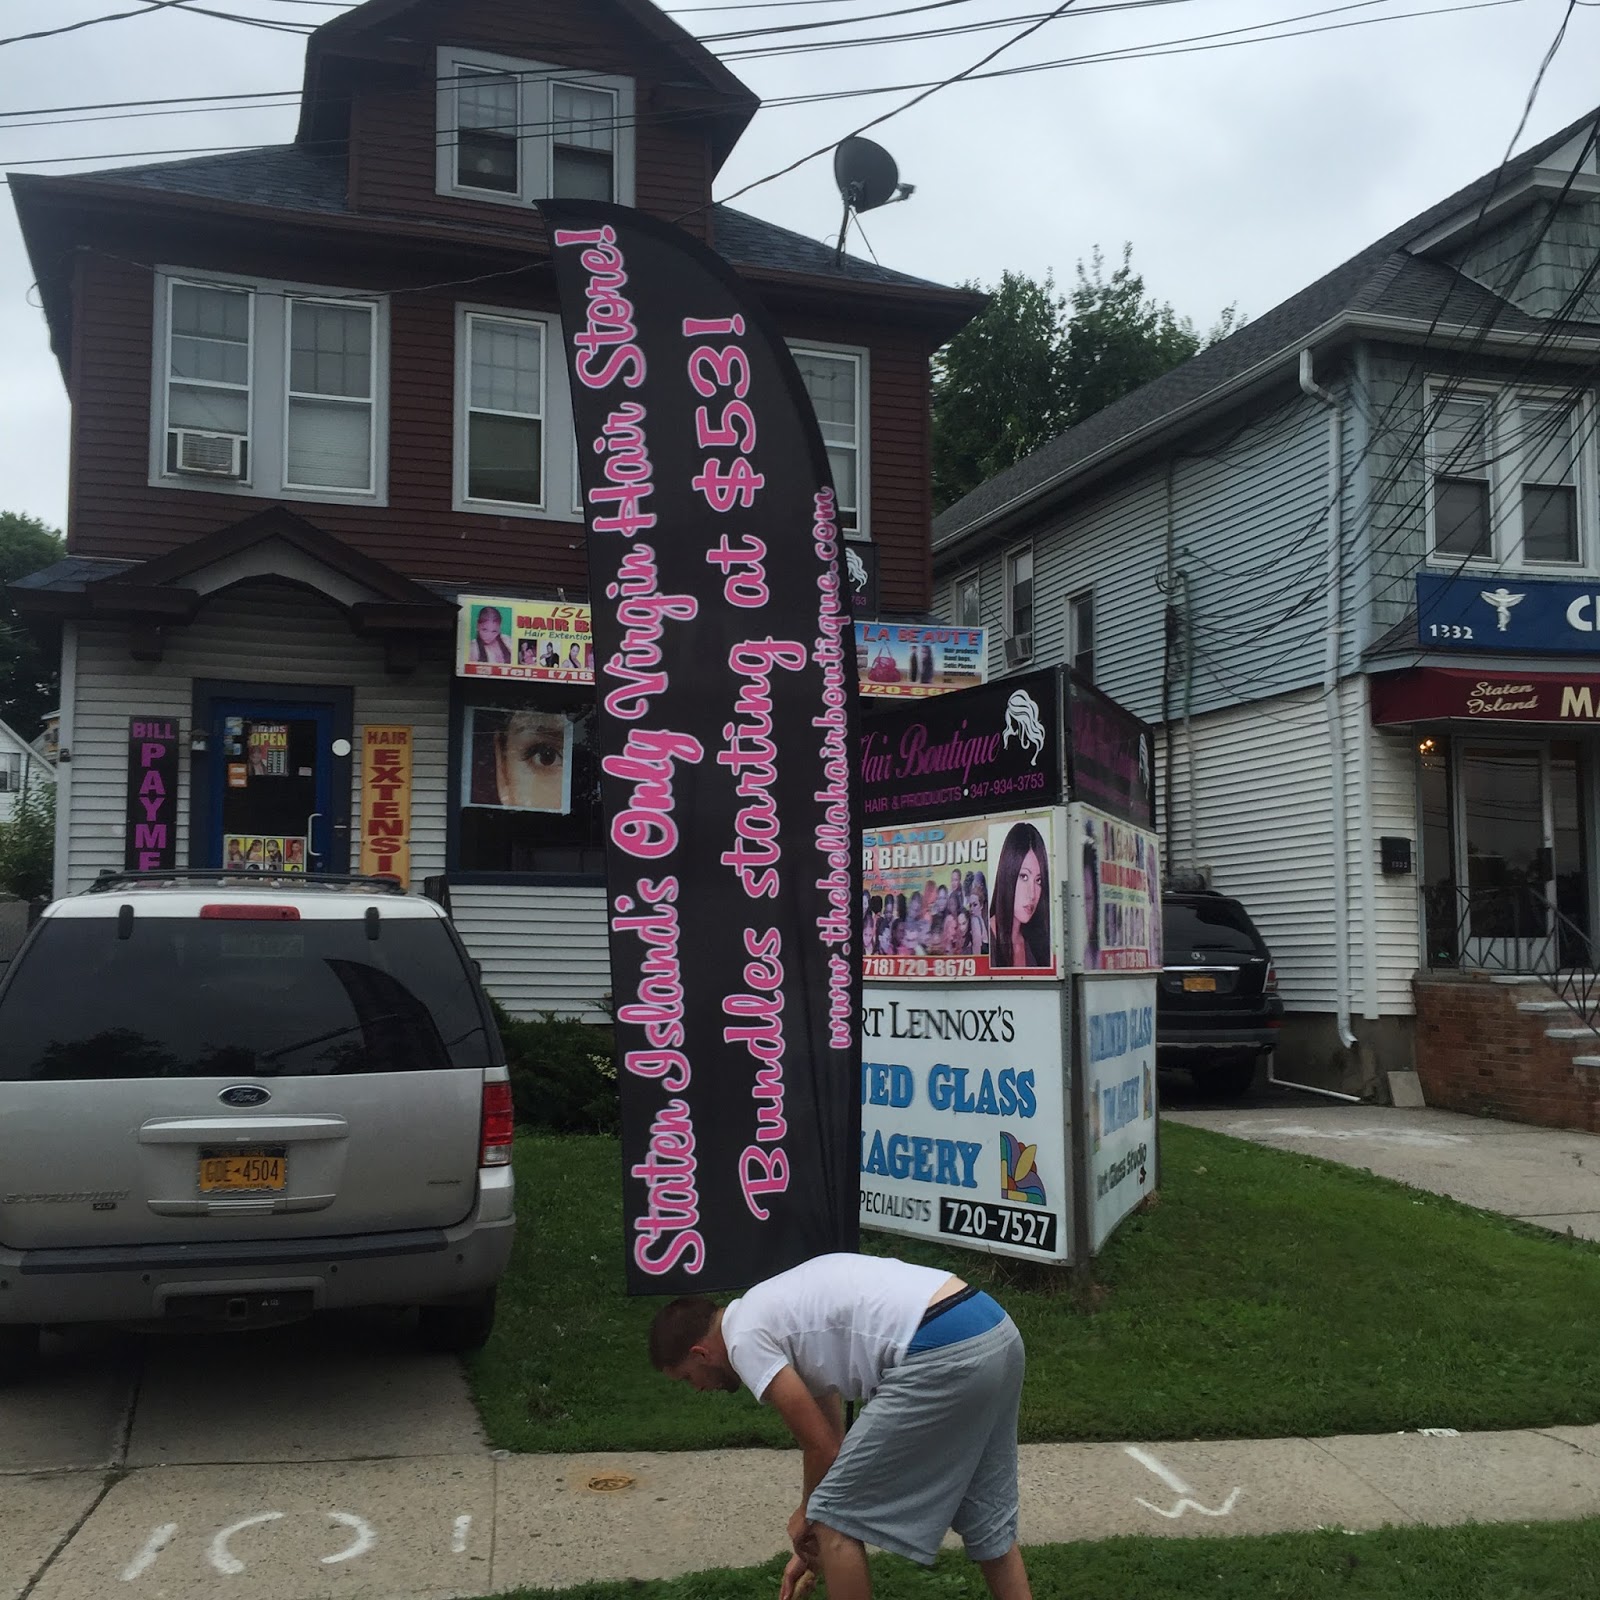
x=1444 y=694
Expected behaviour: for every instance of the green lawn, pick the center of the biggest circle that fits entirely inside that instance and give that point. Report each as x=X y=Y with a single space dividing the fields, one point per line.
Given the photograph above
x=1540 y=1561
x=1265 y=1294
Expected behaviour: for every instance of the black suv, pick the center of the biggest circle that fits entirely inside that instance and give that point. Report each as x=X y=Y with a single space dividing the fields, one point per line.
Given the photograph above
x=1218 y=1010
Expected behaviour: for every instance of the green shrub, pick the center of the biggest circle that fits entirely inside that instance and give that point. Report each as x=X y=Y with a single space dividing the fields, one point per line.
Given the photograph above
x=563 y=1074
x=28 y=842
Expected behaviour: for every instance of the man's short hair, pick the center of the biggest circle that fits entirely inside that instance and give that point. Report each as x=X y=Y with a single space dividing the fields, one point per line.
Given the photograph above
x=678 y=1328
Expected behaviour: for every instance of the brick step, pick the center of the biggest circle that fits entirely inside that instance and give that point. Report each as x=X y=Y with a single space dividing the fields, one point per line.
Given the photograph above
x=1566 y=1034
x=1586 y=1061
x=1557 y=1007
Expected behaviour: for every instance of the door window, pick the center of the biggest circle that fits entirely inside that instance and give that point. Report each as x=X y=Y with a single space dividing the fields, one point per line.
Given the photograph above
x=272 y=790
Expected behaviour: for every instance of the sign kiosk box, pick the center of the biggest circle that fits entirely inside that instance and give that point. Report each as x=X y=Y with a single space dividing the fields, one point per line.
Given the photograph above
x=1011 y=924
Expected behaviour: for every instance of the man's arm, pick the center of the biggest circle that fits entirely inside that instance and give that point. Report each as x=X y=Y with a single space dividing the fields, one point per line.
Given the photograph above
x=817 y=1426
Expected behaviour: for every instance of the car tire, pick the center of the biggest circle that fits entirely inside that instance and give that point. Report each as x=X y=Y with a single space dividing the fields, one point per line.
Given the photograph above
x=454 y=1330
x=1226 y=1080
x=19 y=1351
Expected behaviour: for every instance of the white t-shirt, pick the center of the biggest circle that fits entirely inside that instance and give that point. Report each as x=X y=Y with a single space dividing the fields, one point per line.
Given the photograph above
x=840 y=1321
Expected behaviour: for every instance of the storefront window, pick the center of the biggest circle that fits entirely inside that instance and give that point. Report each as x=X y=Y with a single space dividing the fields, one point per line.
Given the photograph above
x=529 y=794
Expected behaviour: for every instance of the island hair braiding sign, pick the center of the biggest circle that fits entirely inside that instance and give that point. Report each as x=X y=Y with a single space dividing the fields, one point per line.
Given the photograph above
x=724 y=672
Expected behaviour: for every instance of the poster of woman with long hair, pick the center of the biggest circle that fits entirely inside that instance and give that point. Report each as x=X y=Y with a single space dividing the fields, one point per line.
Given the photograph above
x=1019 y=918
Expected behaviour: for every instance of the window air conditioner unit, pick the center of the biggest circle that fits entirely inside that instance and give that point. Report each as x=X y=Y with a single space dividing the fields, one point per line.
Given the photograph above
x=208 y=455
x=1019 y=648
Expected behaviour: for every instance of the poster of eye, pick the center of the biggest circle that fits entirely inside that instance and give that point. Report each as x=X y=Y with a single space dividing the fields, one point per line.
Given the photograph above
x=531 y=640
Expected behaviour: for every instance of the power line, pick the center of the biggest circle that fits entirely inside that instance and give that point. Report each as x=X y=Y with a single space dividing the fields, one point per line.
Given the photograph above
x=92 y=22
x=183 y=105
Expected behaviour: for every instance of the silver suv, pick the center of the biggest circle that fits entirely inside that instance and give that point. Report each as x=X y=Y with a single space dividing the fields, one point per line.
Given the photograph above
x=238 y=1100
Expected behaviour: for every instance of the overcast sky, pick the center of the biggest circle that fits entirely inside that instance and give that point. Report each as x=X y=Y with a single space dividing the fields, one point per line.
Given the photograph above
x=1239 y=174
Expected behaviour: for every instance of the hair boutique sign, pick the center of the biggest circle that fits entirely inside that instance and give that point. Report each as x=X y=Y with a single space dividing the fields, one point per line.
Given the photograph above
x=1008 y=840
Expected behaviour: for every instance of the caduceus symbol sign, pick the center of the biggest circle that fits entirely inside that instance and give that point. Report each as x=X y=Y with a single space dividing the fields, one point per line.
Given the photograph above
x=1502 y=600
x=1022 y=719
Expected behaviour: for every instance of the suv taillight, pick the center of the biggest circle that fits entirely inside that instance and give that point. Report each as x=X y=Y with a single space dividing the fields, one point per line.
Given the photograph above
x=1272 y=977
x=494 y=1147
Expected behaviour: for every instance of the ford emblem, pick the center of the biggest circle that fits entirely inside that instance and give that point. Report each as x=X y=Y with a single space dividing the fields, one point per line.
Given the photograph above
x=245 y=1094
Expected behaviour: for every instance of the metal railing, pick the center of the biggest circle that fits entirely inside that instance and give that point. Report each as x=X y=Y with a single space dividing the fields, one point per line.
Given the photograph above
x=1515 y=929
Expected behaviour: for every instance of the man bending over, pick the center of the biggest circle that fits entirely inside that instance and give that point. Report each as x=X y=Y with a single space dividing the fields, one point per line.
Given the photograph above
x=936 y=1449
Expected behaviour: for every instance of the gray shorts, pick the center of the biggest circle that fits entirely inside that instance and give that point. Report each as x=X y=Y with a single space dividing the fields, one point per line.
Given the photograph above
x=935 y=1449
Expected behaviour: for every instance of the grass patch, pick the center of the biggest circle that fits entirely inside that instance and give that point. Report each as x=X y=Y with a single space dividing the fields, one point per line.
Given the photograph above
x=1550 y=1561
x=1266 y=1294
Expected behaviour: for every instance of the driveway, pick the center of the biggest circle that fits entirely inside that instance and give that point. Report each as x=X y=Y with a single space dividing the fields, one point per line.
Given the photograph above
x=1547 y=1176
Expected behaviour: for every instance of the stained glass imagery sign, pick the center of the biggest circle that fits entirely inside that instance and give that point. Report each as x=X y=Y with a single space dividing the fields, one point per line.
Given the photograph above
x=965 y=1133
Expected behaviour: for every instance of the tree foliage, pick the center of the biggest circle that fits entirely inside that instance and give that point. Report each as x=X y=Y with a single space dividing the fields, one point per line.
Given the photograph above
x=1035 y=362
x=28 y=840
x=29 y=664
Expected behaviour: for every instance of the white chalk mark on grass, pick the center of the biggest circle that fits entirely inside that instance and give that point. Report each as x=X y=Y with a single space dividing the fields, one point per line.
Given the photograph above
x=364 y=1539
x=1176 y=1484
x=222 y=1558
x=458 y=1538
x=154 y=1545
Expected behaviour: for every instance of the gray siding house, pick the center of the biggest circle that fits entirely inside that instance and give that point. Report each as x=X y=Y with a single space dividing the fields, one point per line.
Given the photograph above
x=1237 y=551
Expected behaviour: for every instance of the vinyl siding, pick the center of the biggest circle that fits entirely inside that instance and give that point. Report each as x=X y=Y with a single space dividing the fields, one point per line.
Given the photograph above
x=1262 y=778
x=1249 y=531
x=260 y=632
x=542 y=948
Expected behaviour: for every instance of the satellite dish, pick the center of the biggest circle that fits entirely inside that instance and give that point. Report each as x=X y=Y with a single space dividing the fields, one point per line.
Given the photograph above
x=865 y=172
x=867 y=177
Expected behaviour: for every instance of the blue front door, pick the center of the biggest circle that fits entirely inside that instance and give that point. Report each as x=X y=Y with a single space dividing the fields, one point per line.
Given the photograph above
x=271 y=788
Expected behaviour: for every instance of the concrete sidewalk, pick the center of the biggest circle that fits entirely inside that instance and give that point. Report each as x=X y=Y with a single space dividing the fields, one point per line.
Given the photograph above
x=476 y=1523
x=1548 y=1176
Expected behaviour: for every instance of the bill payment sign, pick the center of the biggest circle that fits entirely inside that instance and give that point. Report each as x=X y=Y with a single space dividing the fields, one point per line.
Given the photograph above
x=1118 y=1018
x=964 y=1127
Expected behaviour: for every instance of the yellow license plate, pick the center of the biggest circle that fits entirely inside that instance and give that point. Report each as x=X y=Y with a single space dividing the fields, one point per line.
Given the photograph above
x=258 y=1170
x=1195 y=984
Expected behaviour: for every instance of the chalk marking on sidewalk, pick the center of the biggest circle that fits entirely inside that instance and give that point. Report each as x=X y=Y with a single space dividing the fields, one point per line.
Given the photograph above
x=1176 y=1484
x=154 y=1545
x=222 y=1558
x=364 y=1539
x=458 y=1538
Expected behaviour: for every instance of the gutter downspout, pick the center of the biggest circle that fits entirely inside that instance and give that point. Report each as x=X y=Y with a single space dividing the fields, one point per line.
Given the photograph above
x=1169 y=631
x=1332 y=641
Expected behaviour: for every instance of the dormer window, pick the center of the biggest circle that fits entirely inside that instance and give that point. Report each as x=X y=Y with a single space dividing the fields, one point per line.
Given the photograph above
x=518 y=132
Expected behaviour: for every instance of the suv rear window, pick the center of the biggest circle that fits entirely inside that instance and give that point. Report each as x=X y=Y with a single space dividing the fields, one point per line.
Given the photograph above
x=182 y=998
x=1208 y=925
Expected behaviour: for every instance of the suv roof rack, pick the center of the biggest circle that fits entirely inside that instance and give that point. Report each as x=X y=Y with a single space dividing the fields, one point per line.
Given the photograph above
x=177 y=877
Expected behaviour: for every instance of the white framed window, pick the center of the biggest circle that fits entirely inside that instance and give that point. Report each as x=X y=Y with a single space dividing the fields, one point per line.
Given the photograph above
x=329 y=398
x=1080 y=633
x=516 y=452
x=10 y=771
x=1019 y=604
x=969 y=600
x=515 y=131
x=1510 y=478
x=270 y=389
x=836 y=378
